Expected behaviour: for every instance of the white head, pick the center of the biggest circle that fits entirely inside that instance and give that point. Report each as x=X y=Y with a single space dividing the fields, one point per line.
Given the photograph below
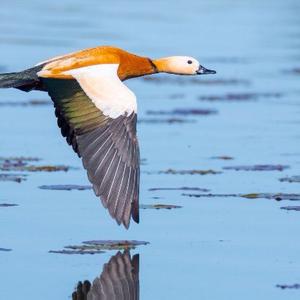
x=182 y=65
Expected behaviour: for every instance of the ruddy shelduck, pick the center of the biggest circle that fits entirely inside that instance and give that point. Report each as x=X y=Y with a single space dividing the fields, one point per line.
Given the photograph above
x=97 y=114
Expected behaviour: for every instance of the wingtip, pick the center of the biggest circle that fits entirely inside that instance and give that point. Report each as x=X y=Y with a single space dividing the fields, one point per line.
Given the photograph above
x=126 y=223
x=136 y=218
x=136 y=264
x=123 y=218
x=135 y=212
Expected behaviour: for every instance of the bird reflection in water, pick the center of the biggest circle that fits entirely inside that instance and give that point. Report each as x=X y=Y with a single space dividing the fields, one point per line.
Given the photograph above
x=119 y=280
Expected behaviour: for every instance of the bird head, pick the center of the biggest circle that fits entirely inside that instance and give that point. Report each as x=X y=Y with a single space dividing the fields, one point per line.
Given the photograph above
x=181 y=65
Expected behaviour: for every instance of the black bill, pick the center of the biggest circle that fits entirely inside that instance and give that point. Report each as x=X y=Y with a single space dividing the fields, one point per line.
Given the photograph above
x=202 y=71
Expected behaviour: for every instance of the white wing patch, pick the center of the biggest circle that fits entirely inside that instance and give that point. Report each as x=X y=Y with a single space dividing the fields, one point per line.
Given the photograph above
x=103 y=86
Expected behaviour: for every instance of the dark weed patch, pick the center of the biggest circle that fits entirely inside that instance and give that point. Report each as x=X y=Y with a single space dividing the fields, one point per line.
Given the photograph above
x=5 y=249
x=8 y=205
x=257 y=168
x=46 y=168
x=295 y=286
x=159 y=206
x=19 y=159
x=115 y=245
x=296 y=71
x=79 y=251
x=195 y=81
x=222 y=157
x=290 y=179
x=21 y=164
x=98 y=246
x=183 y=112
x=67 y=187
x=12 y=177
x=184 y=188
x=189 y=172
x=296 y=208
x=271 y=196
x=239 y=97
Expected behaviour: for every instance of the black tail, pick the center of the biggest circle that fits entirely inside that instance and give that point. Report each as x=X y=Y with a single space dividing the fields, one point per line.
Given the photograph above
x=25 y=80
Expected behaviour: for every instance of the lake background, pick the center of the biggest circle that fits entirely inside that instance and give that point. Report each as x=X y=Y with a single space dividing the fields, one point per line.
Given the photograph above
x=213 y=247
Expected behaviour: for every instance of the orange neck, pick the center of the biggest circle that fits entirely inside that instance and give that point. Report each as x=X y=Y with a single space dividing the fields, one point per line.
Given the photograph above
x=132 y=66
x=162 y=65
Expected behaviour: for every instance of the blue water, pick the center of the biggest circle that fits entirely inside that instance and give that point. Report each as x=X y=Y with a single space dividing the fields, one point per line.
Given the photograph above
x=212 y=248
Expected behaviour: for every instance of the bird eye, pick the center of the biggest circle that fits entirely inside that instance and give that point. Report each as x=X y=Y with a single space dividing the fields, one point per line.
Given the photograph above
x=189 y=62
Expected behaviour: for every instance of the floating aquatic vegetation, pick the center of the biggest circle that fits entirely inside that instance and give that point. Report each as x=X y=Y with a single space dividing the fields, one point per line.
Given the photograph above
x=257 y=168
x=115 y=245
x=239 y=97
x=295 y=286
x=46 y=168
x=12 y=164
x=20 y=164
x=290 y=179
x=222 y=157
x=184 y=188
x=97 y=246
x=19 y=158
x=272 y=196
x=183 y=112
x=210 y=195
x=8 y=204
x=79 y=251
x=189 y=172
x=165 y=121
x=67 y=187
x=12 y=177
x=5 y=249
x=296 y=208
x=194 y=81
x=296 y=71
x=159 y=206
x=26 y=103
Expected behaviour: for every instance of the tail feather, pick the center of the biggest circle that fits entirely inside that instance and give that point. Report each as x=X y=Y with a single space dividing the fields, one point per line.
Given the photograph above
x=11 y=80
x=25 y=80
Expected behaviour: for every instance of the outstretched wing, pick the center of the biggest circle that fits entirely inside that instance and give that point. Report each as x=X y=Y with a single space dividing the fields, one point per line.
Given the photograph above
x=119 y=280
x=97 y=114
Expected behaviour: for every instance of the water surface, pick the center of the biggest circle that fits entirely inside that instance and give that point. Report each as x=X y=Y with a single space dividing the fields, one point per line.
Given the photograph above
x=211 y=248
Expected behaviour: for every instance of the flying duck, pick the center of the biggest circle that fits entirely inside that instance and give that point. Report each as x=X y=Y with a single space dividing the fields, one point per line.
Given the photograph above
x=97 y=114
